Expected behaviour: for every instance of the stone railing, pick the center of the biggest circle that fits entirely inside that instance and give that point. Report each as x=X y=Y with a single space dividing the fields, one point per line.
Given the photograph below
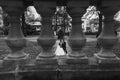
x=47 y=60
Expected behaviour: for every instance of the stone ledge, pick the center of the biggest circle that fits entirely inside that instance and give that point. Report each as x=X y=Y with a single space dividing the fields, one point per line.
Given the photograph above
x=46 y=61
x=107 y=61
x=63 y=75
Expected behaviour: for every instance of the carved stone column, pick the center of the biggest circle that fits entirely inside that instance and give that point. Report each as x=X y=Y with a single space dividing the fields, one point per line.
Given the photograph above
x=46 y=40
x=107 y=39
x=15 y=40
x=77 y=41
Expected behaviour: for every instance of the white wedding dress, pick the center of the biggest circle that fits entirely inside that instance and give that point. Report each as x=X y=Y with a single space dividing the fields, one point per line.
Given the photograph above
x=59 y=51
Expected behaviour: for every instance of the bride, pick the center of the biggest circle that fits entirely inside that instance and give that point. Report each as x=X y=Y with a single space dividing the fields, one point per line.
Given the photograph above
x=59 y=51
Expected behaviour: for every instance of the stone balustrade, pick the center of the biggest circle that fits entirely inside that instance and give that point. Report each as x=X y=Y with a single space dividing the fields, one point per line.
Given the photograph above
x=46 y=40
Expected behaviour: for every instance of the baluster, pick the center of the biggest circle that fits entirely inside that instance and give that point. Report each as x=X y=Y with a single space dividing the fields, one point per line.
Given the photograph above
x=46 y=40
x=15 y=39
x=77 y=41
x=107 y=39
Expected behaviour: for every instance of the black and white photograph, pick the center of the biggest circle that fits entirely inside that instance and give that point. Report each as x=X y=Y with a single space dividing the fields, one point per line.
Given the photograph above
x=59 y=39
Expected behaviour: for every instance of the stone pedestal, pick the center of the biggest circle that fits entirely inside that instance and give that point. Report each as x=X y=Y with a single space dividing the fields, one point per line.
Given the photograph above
x=107 y=40
x=14 y=62
x=46 y=41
